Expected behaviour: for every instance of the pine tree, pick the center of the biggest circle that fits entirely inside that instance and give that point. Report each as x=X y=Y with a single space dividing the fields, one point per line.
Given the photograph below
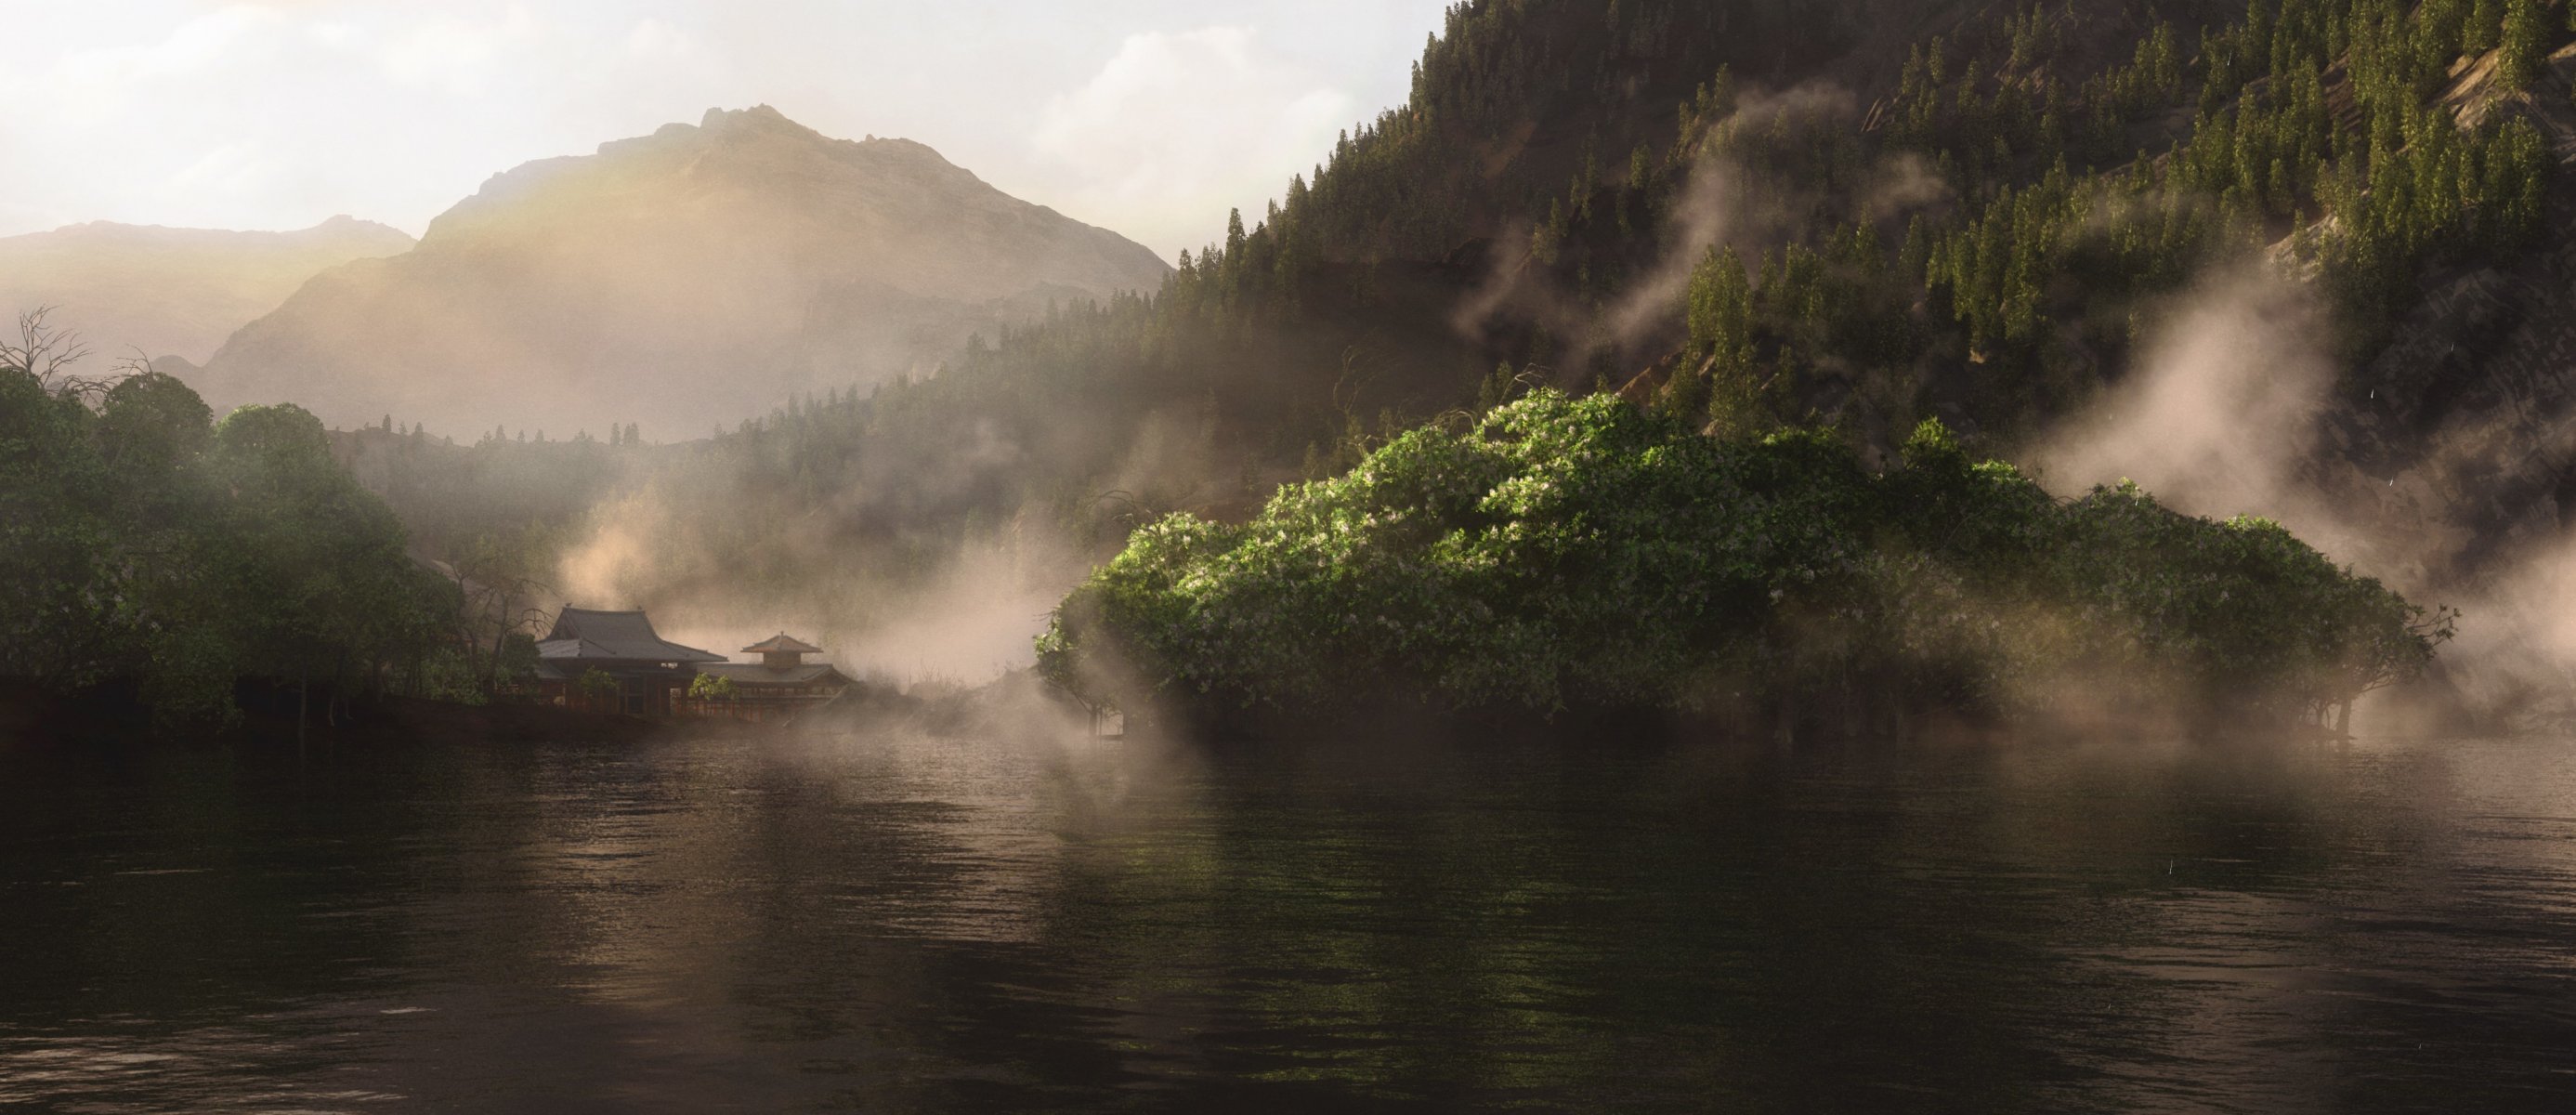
x=2484 y=28
x=1715 y=381
x=1548 y=237
x=2523 y=45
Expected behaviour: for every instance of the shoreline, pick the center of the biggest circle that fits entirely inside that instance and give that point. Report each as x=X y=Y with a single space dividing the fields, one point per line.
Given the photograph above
x=32 y=716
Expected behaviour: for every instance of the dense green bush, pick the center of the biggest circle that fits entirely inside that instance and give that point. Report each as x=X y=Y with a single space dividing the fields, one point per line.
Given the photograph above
x=1565 y=552
x=144 y=542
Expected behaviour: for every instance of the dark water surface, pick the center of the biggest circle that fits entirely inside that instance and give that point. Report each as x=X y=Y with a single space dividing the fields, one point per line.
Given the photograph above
x=897 y=924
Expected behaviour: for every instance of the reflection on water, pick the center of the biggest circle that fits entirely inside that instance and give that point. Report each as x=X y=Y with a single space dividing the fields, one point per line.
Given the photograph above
x=898 y=924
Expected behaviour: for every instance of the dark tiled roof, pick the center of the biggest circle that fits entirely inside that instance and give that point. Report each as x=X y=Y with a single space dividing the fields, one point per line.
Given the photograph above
x=745 y=674
x=614 y=636
x=781 y=644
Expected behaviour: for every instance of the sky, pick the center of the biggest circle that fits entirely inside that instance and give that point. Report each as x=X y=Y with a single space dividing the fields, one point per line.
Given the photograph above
x=1149 y=117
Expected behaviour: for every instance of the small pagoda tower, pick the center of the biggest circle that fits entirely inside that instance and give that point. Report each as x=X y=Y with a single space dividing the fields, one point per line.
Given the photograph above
x=778 y=687
x=781 y=652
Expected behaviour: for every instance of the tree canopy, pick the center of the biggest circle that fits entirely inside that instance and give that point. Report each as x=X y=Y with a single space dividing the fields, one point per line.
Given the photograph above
x=1578 y=552
x=147 y=543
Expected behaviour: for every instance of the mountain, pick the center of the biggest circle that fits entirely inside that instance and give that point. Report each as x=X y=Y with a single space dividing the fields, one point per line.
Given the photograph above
x=156 y=291
x=687 y=279
x=2309 y=259
x=1863 y=213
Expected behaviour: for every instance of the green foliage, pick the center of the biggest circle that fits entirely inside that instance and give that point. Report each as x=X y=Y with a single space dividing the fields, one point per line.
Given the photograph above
x=144 y=541
x=517 y=664
x=317 y=561
x=711 y=687
x=447 y=673
x=1578 y=552
x=2404 y=185
x=2524 y=44
x=596 y=684
x=1718 y=368
x=54 y=540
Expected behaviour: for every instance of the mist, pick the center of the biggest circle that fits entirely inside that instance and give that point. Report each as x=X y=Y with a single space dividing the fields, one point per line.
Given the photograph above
x=2231 y=410
x=1719 y=201
x=2219 y=418
x=955 y=613
x=913 y=553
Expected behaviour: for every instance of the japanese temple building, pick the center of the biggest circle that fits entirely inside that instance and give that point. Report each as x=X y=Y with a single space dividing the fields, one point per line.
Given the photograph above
x=650 y=673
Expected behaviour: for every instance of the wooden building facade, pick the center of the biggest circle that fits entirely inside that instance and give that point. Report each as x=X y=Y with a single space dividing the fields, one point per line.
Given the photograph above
x=615 y=662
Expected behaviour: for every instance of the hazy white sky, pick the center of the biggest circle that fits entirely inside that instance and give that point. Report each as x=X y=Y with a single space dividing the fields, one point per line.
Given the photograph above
x=1150 y=117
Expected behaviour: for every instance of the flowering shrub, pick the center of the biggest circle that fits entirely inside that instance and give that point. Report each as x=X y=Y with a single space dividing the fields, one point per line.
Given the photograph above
x=1569 y=551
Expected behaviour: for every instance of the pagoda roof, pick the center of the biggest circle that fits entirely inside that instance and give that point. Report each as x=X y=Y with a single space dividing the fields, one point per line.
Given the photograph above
x=781 y=644
x=581 y=633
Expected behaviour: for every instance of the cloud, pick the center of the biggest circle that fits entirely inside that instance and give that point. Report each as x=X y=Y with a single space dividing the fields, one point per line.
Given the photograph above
x=87 y=87
x=236 y=168
x=1175 y=121
x=150 y=111
x=655 y=39
x=463 y=56
x=277 y=115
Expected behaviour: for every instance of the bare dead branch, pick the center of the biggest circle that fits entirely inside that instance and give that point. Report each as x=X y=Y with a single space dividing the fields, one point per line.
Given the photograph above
x=41 y=350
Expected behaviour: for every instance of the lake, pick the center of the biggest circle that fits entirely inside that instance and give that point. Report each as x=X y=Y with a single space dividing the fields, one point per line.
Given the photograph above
x=883 y=922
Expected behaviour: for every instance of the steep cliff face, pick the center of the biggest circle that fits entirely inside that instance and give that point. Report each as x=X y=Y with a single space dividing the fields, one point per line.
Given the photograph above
x=130 y=289
x=686 y=279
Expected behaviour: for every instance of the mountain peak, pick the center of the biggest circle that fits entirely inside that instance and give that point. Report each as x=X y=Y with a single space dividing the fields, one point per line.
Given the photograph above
x=616 y=280
x=757 y=116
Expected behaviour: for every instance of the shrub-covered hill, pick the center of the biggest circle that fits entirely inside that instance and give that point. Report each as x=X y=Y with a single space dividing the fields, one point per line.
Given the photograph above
x=1577 y=552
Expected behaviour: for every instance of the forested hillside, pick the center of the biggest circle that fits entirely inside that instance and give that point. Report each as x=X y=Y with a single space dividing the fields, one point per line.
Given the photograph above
x=1968 y=220
x=1755 y=214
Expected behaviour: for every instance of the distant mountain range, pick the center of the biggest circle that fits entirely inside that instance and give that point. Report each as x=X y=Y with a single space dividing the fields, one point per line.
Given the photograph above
x=152 y=291
x=683 y=280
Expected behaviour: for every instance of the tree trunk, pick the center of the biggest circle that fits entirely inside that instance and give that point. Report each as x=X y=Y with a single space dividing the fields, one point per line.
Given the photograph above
x=2343 y=719
x=492 y=677
x=303 y=701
